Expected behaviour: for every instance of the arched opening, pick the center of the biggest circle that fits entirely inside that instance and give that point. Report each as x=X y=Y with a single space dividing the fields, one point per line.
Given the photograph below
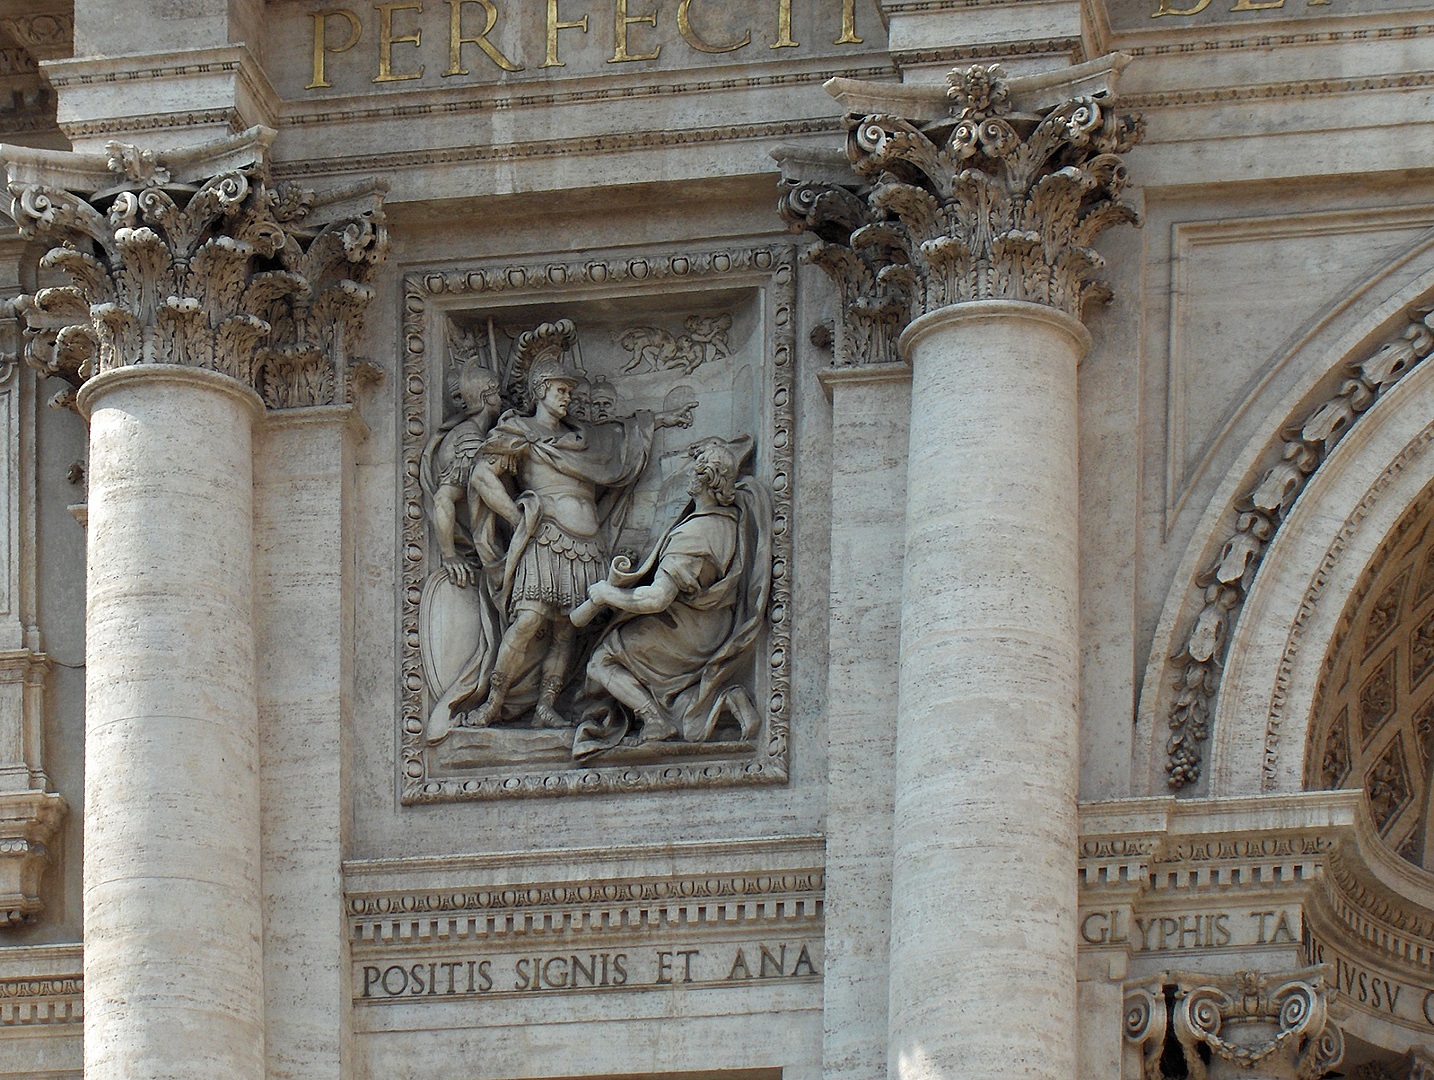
x=1372 y=725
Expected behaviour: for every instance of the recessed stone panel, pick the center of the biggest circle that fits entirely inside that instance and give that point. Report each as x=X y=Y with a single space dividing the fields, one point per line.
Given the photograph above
x=678 y=367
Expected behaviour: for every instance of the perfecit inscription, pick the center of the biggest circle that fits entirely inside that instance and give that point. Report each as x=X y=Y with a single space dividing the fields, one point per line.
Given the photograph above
x=586 y=970
x=402 y=42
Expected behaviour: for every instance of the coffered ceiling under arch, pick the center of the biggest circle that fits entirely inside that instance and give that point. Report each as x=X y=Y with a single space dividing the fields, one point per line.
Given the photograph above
x=1373 y=720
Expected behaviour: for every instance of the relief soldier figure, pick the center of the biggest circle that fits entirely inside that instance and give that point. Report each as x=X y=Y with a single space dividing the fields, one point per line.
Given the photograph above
x=458 y=599
x=526 y=511
x=572 y=482
x=687 y=617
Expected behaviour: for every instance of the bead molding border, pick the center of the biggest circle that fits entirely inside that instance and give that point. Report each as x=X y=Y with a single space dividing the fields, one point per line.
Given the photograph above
x=427 y=295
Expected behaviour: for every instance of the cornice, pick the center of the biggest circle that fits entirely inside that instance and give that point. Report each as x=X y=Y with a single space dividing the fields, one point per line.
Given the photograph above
x=1161 y=846
x=41 y=985
x=803 y=845
x=726 y=884
x=545 y=148
x=365 y=109
x=930 y=7
x=591 y=905
x=1301 y=88
x=32 y=1001
x=1142 y=45
x=1068 y=46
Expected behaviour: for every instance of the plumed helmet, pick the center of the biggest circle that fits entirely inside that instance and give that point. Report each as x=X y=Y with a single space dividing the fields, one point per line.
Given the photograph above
x=538 y=358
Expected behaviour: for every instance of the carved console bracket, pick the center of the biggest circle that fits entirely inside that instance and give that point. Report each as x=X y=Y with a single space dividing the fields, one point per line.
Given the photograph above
x=992 y=188
x=1252 y=1024
x=29 y=823
x=195 y=257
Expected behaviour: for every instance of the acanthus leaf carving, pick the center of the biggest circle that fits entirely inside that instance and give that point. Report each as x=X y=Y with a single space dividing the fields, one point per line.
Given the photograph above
x=261 y=282
x=864 y=259
x=999 y=204
x=1259 y=513
x=989 y=202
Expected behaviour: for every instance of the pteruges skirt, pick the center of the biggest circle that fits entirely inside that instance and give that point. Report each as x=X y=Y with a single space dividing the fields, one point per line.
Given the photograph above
x=557 y=568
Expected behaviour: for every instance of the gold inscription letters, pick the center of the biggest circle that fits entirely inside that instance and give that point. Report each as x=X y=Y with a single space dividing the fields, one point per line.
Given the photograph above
x=386 y=42
x=456 y=40
x=641 y=31
x=1165 y=7
x=321 y=45
x=684 y=27
x=622 y=22
x=554 y=25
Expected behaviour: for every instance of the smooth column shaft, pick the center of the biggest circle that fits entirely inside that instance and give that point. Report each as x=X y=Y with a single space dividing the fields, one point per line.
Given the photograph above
x=870 y=404
x=172 y=911
x=982 y=980
x=303 y=594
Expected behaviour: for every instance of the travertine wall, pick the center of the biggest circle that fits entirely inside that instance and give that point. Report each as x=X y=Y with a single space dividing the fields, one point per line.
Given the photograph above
x=1282 y=181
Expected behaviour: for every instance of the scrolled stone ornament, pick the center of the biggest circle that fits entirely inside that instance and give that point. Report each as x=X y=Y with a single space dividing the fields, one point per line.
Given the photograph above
x=1270 y=1026
x=163 y=269
x=1084 y=118
x=1146 y=1024
x=870 y=136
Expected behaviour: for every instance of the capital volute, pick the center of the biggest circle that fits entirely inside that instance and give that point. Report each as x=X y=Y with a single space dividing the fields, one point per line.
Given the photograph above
x=990 y=188
x=195 y=257
x=1250 y=1025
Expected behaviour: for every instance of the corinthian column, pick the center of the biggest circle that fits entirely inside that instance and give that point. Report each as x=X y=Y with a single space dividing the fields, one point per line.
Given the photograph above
x=986 y=198
x=201 y=295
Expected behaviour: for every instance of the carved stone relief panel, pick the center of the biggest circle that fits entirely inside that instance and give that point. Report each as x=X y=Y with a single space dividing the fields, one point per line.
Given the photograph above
x=596 y=543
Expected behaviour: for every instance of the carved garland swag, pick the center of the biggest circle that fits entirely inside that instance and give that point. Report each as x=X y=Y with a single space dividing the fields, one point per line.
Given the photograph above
x=233 y=274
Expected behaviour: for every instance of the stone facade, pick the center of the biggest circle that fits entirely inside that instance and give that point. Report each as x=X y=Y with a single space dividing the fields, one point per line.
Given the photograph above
x=784 y=538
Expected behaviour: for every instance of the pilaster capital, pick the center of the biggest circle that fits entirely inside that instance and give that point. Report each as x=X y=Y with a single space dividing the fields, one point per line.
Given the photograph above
x=1254 y=1025
x=987 y=189
x=29 y=824
x=196 y=257
x=875 y=281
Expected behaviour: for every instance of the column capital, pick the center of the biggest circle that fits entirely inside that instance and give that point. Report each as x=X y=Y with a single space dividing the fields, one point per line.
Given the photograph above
x=989 y=188
x=1254 y=1025
x=195 y=257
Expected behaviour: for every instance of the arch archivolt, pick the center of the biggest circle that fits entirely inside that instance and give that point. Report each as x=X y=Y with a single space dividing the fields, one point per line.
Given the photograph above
x=1315 y=562
x=1225 y=701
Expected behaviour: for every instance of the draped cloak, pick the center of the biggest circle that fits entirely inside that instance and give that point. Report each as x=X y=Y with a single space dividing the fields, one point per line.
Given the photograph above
x=690 y=656
x=610 y=458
